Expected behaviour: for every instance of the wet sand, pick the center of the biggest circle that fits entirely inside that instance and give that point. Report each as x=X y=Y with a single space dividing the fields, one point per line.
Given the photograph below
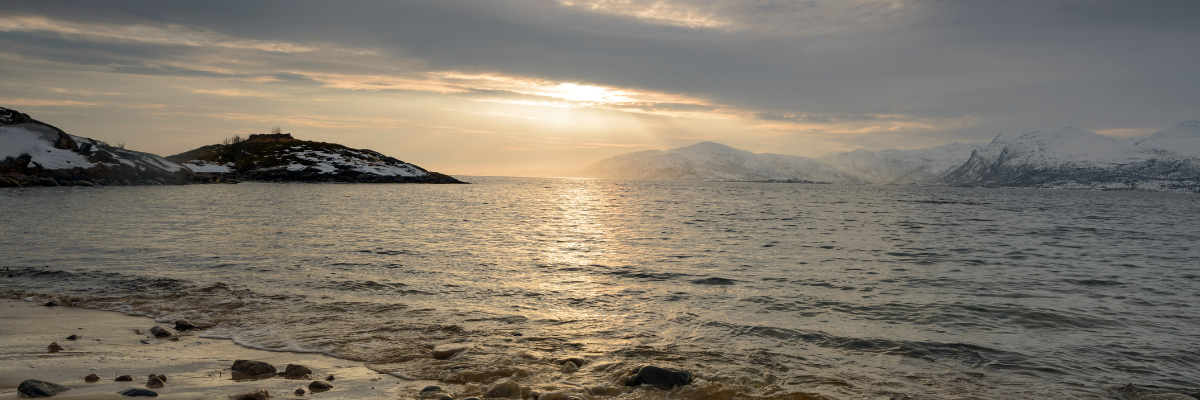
x=197 y=368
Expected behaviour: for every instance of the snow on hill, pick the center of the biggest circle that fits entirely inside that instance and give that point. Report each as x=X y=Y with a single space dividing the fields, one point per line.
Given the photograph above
x=901 y=166
x=283 y=158
x=33 y=153
x=1075 y=158
x=1183 y=139
x=713 y=161
x=1060 y=158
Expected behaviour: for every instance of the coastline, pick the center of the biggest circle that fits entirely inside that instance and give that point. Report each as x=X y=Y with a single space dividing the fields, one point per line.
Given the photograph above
x=197 y=368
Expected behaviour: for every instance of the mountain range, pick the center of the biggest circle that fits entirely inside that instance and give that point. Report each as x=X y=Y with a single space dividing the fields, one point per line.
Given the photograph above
x=1168 y=160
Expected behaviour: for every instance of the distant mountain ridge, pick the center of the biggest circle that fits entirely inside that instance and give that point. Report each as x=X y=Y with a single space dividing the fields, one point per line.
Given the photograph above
x=1168 y=160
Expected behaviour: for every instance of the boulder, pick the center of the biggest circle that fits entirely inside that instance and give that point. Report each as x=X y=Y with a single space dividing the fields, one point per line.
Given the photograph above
x=36 y=388
x=659 y=377
x=253 y=368
x=183 y=325
x=300 y=392
x=91 y=378
x=504 y=389
x=155 y=382
x=318 y=386
x=135 y=392
x=124 y=378
x=159 y=331
x=6 y=182
x=296 y=371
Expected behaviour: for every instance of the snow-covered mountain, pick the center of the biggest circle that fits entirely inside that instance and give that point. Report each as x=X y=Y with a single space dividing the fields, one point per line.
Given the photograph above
x=1075 y=158
x=1183 y=139
x=714 y=161
x=1168 y=160
x=901 y=166
x=33 y=153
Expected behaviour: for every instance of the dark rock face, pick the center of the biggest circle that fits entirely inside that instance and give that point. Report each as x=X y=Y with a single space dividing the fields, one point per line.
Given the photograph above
x=253 y=368
x=318 y=386
x=183 y=325
x=36 y=388
x=135 y=392
x=159 y=331
x=296 y=371
x=659 y=377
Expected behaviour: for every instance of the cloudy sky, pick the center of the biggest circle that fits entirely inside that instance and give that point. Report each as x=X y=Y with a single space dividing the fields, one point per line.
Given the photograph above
x=506 y=87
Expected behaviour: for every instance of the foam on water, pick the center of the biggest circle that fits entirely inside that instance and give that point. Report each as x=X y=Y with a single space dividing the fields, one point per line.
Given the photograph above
x=763 y=290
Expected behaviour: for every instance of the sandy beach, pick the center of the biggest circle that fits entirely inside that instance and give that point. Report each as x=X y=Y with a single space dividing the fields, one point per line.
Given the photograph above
x=197 y=368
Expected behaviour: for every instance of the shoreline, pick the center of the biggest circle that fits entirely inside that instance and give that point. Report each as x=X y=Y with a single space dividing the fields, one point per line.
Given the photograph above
x=196 y=367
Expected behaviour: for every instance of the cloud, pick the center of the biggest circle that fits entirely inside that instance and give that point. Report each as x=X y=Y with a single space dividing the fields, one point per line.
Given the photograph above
x=155 y=34
x=763 y=16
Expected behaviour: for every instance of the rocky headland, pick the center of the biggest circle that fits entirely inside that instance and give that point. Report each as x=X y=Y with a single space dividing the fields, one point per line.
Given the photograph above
x=34 y=153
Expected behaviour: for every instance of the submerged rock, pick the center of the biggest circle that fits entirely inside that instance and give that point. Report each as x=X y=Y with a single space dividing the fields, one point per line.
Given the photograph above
x=136 y=392
x=91 y=378
x=124 y=378
x=159 y=331
x=659 y=377
x=299 y=392
x=318 y=386
x=296 y=371
x=36 y=388
x=253 y=368
x=504 y=389
x=446 y=351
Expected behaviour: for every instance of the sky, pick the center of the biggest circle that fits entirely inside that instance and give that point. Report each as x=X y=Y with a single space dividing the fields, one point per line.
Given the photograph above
x=547 y=87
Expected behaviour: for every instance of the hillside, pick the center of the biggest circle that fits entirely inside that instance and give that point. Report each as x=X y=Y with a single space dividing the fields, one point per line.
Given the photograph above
x=33 y=153
x=280 y=158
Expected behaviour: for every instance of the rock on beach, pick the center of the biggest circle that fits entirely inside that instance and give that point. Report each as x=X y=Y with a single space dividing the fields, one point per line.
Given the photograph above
x=159 y=331
x=35 y=388
x=135 y=392
x=318 y=386
x=253 y=368
x=504 y=389
x=296 y=371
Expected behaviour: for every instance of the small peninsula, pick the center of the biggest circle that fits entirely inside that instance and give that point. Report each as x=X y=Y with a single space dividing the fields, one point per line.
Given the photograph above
x=34 y=153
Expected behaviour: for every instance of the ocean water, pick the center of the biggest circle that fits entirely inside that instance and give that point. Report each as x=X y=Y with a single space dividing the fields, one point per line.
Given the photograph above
x=764 y=290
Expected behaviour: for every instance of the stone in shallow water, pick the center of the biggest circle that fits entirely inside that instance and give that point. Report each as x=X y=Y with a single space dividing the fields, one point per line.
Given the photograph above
x=318 y=386
x=154 y=382
x=125 y=378
x=431 y=391
x=54 y=347
x=300 y=392
x=659 y=377
x=446 y=351
x=91 y=378
x=135 y=392
x=257 y=394
x=36 y=388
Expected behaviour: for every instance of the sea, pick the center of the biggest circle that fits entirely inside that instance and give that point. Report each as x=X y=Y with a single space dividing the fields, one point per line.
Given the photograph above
x=761 y=290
